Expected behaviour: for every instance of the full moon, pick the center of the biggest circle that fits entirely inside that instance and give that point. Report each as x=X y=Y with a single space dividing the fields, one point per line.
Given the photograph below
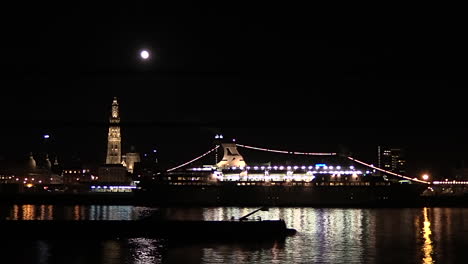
x=144 y=54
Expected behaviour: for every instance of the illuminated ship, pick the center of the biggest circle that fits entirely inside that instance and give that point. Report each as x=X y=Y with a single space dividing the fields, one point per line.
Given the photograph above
x=341 y=181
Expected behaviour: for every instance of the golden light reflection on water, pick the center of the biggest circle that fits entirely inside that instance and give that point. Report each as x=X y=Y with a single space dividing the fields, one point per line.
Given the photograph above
x=15 y=212
x=41 y=212
x=29 y=212
x=427 y=246
x=50 y=212
x=76 y=212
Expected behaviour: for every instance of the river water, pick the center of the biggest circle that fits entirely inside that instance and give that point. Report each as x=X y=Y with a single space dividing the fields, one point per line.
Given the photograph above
x=325 y=235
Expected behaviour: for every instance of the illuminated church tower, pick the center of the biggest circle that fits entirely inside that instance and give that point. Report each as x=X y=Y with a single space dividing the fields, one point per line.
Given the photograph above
x=114 y=155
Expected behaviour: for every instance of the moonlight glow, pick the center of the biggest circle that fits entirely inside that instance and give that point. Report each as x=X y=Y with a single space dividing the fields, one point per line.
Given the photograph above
x=144 y=54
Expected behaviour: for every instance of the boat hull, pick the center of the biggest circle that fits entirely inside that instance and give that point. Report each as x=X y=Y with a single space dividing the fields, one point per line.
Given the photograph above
x=186 y=230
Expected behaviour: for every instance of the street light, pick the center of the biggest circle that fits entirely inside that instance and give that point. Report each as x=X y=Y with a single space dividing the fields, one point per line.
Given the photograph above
x=425 y=177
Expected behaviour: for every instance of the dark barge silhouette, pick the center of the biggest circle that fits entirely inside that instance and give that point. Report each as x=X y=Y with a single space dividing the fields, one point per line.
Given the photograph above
x=181 y=229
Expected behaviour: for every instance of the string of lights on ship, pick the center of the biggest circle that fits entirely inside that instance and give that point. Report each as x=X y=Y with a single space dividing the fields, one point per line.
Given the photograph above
x=336 y=172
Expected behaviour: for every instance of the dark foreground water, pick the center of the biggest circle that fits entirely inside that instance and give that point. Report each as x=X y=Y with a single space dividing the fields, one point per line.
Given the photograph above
x=405 y=235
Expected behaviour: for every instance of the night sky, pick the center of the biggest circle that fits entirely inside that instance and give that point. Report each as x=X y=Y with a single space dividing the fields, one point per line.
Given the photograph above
x=305 y=78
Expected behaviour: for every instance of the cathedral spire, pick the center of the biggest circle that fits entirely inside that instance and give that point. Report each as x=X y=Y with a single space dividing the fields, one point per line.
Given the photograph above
x=114 y=150
x=48 y=165
x=115 y=118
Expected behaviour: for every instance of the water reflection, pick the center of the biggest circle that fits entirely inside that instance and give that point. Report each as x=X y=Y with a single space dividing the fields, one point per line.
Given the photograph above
x=111 y=252
x=145 y=250
x=76 y=212
x=14 y=213
x=325 y=235
x=43 y=252
x=29 y=212
x=427 y=246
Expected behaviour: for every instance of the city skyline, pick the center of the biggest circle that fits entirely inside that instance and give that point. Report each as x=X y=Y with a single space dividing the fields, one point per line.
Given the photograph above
x=57 y=134
x=312 y=82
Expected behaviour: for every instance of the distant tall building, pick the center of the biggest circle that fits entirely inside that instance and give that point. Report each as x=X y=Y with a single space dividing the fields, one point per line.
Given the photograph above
x=114 y=148
x=114 y=171
x=391 y=159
